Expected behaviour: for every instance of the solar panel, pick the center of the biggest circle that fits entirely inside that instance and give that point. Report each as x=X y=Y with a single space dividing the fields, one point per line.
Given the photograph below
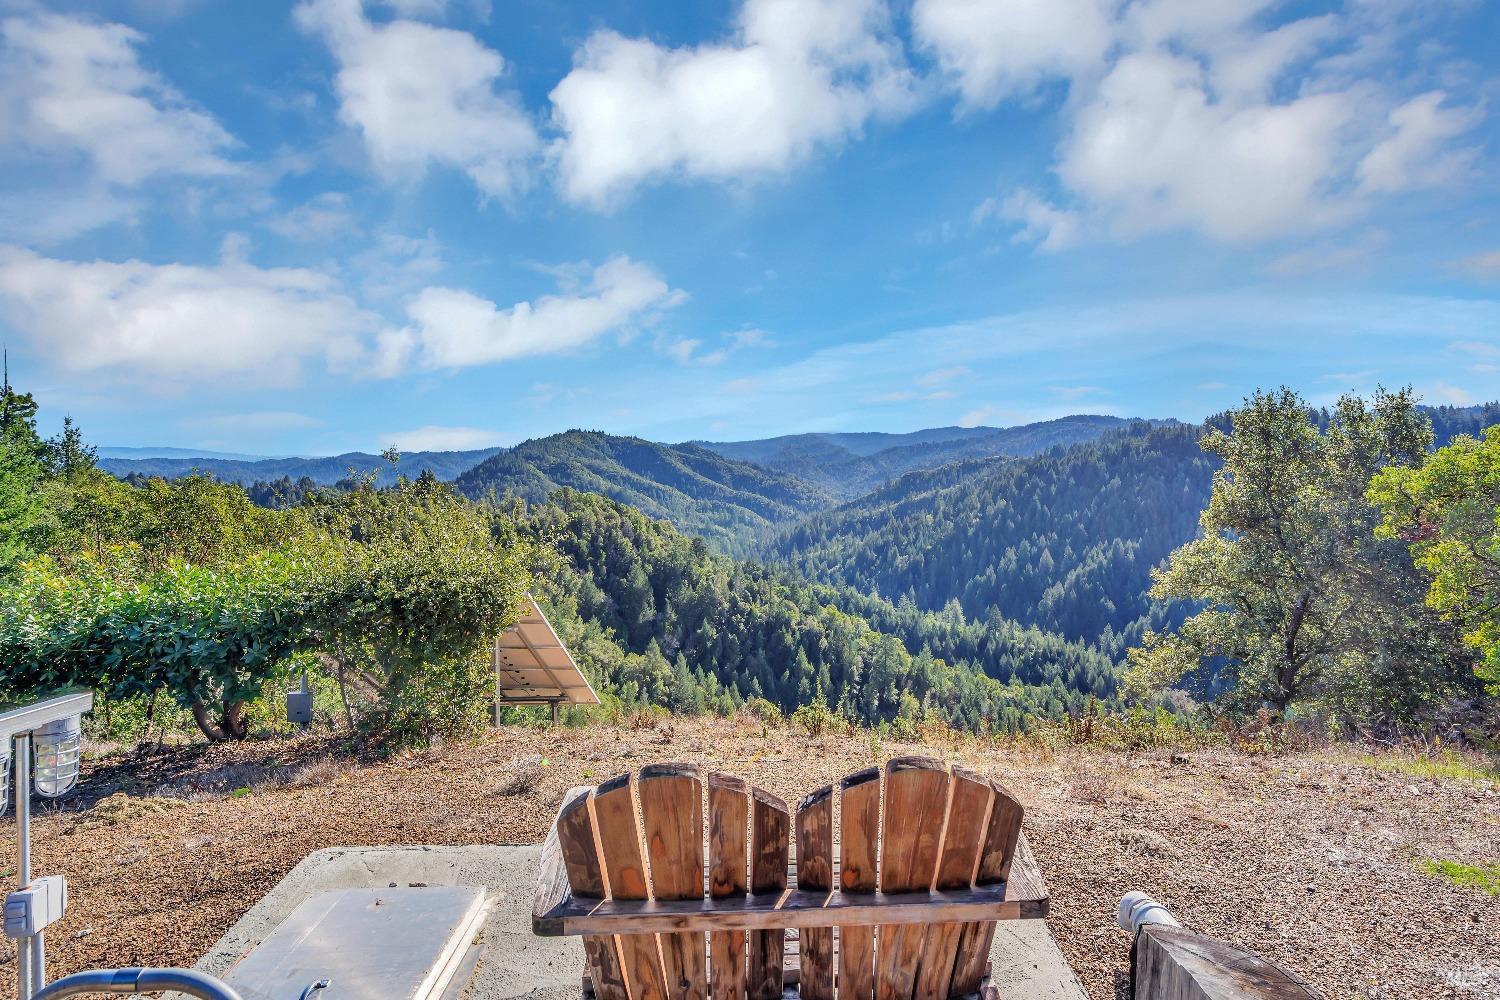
x=533 y=667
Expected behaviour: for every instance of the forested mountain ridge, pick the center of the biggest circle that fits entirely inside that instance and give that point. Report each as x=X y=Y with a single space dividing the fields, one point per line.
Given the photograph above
x=325 y=471
x=653 y=614
x=1064 y=541
x=851 y=465
x=727 y=502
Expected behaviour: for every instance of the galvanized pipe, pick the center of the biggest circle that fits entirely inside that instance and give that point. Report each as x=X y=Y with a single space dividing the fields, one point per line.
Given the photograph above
x=27 y=980
x=189 y=981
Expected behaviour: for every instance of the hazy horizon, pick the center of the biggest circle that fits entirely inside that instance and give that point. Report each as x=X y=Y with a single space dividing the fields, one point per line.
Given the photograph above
x=448 y=224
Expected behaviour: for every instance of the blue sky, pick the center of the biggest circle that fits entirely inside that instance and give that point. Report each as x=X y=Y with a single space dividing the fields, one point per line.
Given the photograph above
x=332 y=225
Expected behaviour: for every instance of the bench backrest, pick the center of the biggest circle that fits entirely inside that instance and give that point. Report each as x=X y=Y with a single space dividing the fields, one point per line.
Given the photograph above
x=915 y=827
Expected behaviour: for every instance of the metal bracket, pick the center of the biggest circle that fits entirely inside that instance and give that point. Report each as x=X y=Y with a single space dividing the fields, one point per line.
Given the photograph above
x=36 y=907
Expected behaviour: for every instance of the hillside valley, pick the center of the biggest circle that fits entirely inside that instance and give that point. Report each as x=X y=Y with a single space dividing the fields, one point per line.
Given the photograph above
x=986 y=574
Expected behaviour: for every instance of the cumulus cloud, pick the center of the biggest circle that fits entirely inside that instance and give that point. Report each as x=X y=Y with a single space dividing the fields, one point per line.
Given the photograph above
x=453 y=328
x=796 y=76
x=71 y=86
x=1156 y=150
x=168 y=323
x=1202 y=117
x=994 y=49
x=420 y=95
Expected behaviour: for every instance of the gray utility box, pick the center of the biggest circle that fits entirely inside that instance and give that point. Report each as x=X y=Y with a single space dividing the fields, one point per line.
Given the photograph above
x=299 y=708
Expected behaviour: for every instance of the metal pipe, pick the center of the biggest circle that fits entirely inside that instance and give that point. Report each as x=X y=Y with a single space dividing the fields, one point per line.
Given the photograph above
x=189 y=981
x=26 y=979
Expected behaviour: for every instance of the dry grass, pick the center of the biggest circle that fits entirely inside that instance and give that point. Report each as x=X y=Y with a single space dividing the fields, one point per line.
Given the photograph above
x=522 y=774
x=1308 y=858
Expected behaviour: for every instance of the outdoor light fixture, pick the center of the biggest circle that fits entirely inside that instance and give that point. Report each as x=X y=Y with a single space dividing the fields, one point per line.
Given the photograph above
x=57 y=748
x=46 y=730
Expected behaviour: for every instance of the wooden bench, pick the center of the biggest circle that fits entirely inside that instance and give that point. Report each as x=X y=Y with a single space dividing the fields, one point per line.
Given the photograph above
x=929 y=858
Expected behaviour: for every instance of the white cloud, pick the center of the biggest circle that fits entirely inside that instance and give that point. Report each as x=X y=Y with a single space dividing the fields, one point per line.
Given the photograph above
x=1202 y=116
x=1154 y=151
x=977 y=416
x=1043 y=223
x=420 y=95
x=1414 y=153
x=798 y=75
x=435 y=438
x=165 y=323
x=453 y=328
x=1452 y=394
x=688 y=350
x=1478 y=348
x=71 y=86
x=321 y=217
x=994 y=49
x=46 y=216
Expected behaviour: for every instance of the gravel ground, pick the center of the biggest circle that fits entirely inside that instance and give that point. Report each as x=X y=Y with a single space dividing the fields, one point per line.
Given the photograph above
x=1310 y=859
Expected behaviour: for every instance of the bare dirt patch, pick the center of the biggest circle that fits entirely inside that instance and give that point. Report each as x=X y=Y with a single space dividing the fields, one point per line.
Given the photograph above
x=1311 y=859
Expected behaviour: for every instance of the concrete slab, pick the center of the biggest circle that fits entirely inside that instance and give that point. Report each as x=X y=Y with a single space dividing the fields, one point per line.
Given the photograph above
x=514 y=963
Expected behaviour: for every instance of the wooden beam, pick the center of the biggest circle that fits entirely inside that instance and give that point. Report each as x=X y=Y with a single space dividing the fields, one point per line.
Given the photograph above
x=790 y=908
x=1171 y=963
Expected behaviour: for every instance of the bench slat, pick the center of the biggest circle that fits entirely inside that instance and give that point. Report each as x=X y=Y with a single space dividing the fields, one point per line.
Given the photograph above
x=620 y=843
x=999 y=863
x=859 y=843
x=728 y=825
x=672 y=821
x=815 y=874
x=916 y=805
x=770 y=829
x=569 y=857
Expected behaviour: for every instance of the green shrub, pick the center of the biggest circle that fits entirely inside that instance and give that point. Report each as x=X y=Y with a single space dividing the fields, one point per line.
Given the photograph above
x=816 y=718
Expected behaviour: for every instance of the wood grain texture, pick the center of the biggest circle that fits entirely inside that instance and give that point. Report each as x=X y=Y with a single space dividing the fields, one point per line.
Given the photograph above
x=1001 y=837
x=770 y=829
x=571 y=842
x=728 y=830
x=793 y=909
x=671 y=798
x=815 y=874
x=963 y=841
x=916 y=809
x=624 y=867
x=859 y=845
x=1172 y=963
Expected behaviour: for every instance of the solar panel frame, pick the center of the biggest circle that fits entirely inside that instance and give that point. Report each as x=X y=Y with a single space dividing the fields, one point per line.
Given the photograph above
x=533 y=666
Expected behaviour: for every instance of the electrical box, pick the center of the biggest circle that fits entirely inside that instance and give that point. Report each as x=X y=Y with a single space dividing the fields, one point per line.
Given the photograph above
x=299 y=708
x=35 y=907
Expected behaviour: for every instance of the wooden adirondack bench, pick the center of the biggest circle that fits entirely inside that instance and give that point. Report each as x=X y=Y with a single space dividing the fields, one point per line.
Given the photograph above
x=929 y=858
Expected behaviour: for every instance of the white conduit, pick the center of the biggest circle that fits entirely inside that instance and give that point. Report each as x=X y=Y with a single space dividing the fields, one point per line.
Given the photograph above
x=1138 y=909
